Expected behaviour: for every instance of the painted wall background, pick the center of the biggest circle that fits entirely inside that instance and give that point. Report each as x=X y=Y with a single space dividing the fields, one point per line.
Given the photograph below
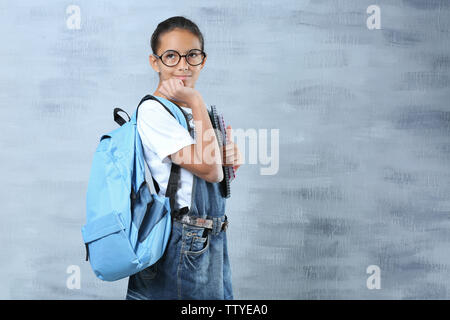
x=364 y=149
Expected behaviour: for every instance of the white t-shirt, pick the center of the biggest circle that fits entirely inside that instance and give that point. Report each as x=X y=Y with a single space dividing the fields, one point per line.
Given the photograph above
x=161 y=136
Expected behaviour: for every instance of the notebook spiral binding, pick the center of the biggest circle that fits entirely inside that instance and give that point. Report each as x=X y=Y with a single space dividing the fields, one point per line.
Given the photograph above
x=219 y=127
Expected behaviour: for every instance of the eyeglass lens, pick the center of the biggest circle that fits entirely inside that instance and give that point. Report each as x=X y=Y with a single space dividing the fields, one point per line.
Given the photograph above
x=171 y=58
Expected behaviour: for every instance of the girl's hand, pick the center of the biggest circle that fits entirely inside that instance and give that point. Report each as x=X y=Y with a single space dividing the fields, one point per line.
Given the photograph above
x=174 y=89
x=230 y=152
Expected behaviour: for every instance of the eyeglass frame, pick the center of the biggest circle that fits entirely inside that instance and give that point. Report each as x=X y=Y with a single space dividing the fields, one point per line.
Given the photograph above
x=181 y=56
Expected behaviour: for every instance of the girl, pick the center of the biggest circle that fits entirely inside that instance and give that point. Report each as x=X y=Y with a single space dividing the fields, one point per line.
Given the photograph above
x=195 y=264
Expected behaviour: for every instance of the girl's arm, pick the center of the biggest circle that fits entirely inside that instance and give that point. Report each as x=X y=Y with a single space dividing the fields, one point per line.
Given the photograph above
x=204 y=157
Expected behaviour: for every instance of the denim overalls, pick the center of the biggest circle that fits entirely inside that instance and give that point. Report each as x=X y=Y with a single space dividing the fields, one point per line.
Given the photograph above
x=195 y=264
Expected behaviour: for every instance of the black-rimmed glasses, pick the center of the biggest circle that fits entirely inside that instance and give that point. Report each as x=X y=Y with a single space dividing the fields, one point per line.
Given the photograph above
x=171 y=58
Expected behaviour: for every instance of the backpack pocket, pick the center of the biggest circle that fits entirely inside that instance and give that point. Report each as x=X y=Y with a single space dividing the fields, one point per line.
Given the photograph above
x=110 y=252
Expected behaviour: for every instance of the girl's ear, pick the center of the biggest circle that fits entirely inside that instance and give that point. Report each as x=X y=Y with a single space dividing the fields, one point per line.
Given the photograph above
x=204 y=61
x=154 y=63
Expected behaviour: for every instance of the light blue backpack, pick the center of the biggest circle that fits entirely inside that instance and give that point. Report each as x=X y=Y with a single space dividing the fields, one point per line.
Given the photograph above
x=127 y=227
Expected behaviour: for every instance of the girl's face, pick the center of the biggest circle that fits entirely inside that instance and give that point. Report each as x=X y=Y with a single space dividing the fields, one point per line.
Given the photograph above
x=182 y=41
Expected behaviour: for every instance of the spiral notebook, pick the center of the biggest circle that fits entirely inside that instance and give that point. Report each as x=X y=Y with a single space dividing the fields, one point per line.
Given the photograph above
x=219 y=126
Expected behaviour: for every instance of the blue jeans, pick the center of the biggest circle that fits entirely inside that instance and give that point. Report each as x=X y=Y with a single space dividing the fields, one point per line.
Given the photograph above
x=195 y=264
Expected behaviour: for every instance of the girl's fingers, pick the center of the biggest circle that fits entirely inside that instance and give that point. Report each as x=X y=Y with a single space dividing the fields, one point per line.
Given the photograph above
x=164 y=89
x=164 y=92
x=174 y=83
x=180 y=83
x=229 y=159
x=171 y=85
x=229 y=132
x=229 y=152
x=229 y=148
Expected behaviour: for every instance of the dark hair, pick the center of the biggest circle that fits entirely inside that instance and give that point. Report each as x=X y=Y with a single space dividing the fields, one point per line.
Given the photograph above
x=173 y=23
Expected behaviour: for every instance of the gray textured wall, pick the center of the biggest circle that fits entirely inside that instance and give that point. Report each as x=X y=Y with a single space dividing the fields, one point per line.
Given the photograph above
x=364 y=148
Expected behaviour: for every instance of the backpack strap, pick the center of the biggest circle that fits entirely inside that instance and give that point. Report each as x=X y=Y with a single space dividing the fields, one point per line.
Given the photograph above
x=174 y=178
